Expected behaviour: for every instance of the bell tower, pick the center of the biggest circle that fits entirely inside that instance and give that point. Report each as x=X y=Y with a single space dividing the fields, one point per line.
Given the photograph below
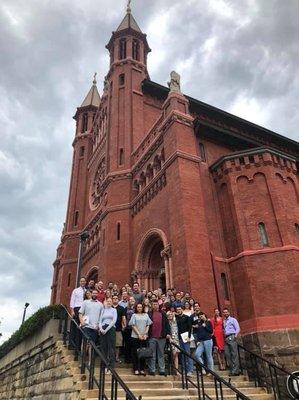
x=128 y=48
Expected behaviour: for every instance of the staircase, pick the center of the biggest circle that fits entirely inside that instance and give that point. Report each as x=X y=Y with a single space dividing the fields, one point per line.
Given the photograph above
x=161 y=387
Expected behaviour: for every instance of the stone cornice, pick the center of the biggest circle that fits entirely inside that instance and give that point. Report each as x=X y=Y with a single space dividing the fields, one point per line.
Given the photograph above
x=250 y=253
x=254 y=158
x=257 y=150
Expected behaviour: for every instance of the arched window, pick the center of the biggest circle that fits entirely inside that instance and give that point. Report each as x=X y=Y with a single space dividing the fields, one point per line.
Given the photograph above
x=149 y=173
x=84 y=123
x=263 y=234
x=121 y=156
x=118 y=231
x=202 y=152
x=224 y=286
x=142 y=180
x=121 y=79
x=76 y=218
x=136 y=50
x=157 y=164
x=122 y=49
x=81 y=153
x=297 y=228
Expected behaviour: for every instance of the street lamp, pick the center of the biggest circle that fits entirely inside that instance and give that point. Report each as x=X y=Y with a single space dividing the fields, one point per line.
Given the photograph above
x=83 y=237
x=24 y=313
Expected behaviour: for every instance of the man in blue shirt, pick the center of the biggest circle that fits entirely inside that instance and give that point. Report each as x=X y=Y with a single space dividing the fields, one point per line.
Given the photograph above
x=231 y=329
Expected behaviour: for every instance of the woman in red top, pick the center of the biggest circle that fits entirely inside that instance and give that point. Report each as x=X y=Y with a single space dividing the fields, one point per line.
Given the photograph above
x=217 y=323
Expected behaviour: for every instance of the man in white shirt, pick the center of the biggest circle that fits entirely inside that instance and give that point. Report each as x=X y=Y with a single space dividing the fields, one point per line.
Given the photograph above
x=76 y=302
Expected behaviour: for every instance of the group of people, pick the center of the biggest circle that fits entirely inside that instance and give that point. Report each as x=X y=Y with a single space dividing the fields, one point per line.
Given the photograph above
x=130 y=319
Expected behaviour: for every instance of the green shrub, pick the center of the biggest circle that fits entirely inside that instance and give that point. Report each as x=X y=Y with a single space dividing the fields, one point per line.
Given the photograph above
x=30 y=326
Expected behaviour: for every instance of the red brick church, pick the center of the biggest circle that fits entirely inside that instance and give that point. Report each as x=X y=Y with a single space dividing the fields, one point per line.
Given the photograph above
x=177 y=193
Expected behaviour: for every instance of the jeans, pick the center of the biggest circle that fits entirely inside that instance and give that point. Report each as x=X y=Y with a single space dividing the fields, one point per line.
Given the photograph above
x=231 y=354
x=205 y=347
x=189 y=361
x=158 y=347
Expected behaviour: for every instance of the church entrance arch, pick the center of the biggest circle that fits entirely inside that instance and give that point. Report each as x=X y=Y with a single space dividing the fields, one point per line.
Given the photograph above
x=153 y=267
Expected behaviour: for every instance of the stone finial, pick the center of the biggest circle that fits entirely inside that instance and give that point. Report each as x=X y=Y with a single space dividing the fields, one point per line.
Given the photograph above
x=175 y=82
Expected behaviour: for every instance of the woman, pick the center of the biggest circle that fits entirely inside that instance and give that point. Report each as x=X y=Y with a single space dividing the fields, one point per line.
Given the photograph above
x=107 y=323
x=192 y=302
x=87 y=295
x=147 y=305
x=174 y=339
x=217 y=324
x=187 y=309
x=108 y=294
x=204 y=337
x=140 y=323
x=127 y=333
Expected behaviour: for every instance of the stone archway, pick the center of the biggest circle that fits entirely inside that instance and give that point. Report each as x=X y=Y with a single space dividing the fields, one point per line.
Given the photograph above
x=153 y=268
x=93 y=274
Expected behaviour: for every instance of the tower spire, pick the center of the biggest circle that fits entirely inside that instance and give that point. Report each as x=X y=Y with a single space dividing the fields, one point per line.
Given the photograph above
x=93 y=98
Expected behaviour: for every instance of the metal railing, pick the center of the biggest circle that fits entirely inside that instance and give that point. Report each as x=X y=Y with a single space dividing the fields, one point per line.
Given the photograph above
x=87 y=352
x=220 y=388
x=272 y=377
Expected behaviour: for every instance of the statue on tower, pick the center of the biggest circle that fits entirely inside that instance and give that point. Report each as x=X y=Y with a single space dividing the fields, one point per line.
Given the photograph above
x=175 y=83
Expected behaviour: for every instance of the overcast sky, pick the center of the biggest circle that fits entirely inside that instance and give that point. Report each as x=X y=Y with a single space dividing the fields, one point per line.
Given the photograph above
x=239 y=55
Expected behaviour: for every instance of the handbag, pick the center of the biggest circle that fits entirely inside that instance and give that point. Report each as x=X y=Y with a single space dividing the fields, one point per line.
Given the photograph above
x=144 y=353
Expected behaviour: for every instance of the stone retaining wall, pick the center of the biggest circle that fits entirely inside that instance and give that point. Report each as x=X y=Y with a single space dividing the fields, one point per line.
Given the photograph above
x=37 y=370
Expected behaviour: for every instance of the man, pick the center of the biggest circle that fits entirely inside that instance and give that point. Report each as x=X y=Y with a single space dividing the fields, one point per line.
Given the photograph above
x=101 y=292
x=76 y=302
x=91 y=285
x=184 y=329
x=89 y=315
x=187 y=297
x=119 y=326
x=124 y=300
x=158 y=332
x=110 y=286
x=136 y=293
x=231 y=329
x=178 y=300
x=195 y=318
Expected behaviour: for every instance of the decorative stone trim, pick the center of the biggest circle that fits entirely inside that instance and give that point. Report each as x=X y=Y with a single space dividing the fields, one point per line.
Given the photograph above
x=91 y=251
x=147 y=195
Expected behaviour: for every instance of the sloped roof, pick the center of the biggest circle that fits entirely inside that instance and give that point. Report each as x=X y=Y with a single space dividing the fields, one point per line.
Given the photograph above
x=93 y=97
x=129 y=22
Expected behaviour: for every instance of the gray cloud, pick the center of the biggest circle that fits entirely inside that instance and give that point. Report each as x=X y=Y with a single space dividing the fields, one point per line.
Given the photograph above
x=241 y=56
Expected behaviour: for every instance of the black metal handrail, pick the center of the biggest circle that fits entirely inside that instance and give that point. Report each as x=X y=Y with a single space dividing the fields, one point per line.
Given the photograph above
x=266 y=374
x=88 y=363
x=201 y=370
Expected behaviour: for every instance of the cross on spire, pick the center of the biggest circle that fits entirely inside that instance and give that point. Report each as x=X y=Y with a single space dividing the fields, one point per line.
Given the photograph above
x=129 y=6
x=95 y=78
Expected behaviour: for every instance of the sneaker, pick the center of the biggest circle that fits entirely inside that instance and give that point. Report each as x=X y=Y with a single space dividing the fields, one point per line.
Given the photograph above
x=163 y=373
x=152 y=373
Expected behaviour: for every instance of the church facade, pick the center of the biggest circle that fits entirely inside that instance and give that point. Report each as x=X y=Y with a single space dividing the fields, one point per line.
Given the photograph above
x=177 y=193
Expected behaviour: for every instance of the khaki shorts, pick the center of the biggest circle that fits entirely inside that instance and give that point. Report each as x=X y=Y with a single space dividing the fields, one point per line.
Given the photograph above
x=119 y=339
